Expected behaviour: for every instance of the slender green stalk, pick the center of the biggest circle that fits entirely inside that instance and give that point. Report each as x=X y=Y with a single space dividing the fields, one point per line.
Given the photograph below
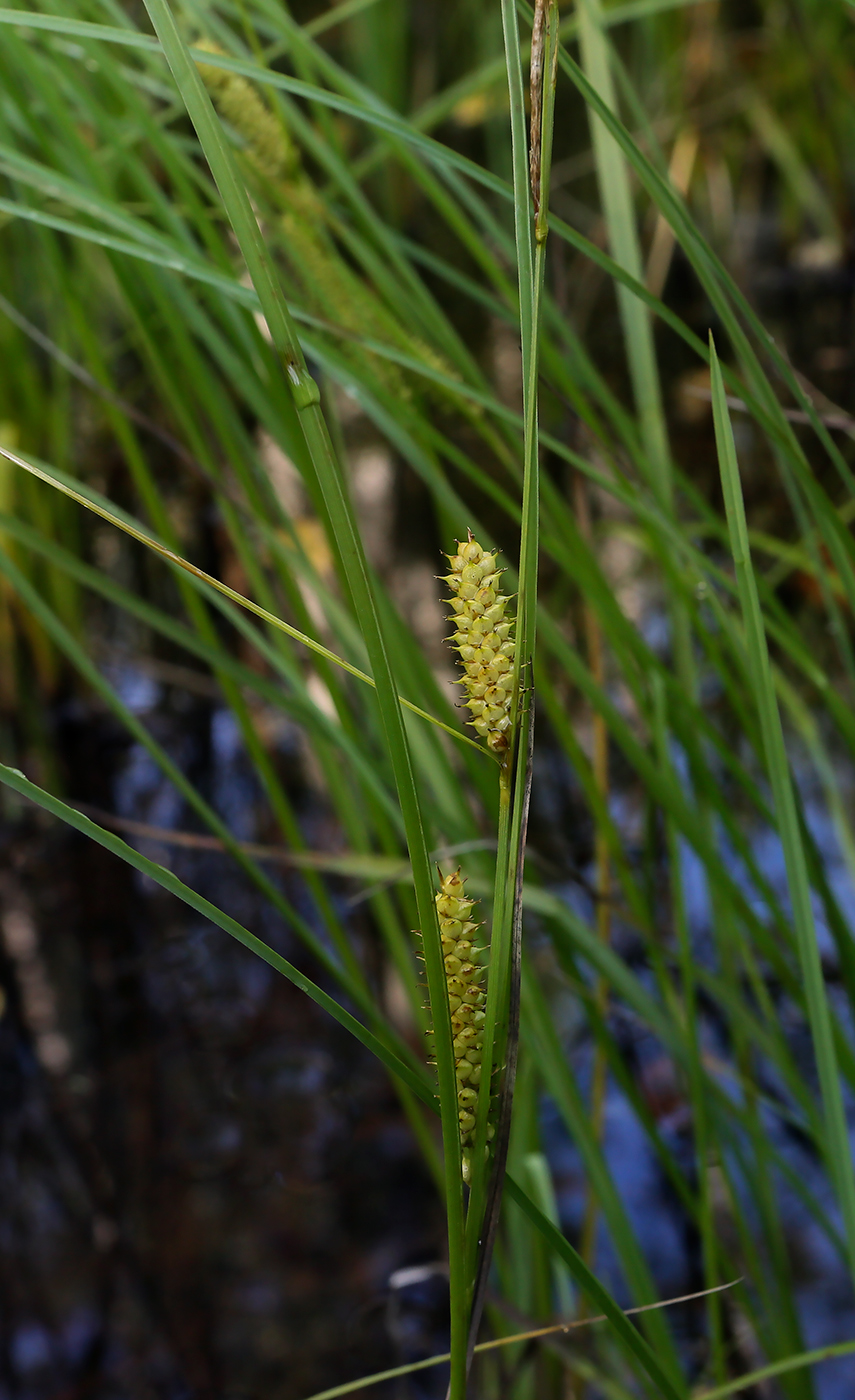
x=512 y=778
x=500 y=1028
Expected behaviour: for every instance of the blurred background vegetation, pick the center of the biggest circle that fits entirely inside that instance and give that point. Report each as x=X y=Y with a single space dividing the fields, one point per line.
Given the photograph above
x=209 y=1188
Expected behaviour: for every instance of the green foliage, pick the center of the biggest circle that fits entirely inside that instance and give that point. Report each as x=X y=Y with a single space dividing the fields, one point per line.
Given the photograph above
x=241 y=249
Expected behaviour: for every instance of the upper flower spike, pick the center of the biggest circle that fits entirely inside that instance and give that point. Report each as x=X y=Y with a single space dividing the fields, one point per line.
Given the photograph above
x=483 y=639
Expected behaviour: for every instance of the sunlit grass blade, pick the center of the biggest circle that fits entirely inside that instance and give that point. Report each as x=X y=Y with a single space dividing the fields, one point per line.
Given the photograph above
x=619 y=210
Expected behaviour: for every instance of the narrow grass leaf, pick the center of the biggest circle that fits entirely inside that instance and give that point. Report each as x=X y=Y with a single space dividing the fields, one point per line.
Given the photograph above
x=837 y=1147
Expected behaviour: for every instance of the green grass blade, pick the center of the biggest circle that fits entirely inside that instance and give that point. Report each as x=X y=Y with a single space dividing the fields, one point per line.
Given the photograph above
x=778 y=1368
x=122 y=522
x=632 y=1342
x=306 y=401
x=618 y=207
x=837 y=1148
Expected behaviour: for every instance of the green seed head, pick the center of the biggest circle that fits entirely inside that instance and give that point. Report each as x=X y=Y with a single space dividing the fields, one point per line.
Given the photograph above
x=483 y=639
x=466 y=996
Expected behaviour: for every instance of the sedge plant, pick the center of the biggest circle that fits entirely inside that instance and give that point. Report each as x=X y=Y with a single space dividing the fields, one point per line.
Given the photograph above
x=246 y=240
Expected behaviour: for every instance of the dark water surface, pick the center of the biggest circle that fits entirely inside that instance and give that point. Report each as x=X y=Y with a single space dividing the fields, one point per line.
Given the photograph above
x=206 y=1184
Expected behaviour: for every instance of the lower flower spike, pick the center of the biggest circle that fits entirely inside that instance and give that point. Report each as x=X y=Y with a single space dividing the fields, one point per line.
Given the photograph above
x=466 y=999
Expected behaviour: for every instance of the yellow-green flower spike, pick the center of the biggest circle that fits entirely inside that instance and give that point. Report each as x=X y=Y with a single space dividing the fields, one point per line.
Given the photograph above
x=466 y=999
x=483 y=639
